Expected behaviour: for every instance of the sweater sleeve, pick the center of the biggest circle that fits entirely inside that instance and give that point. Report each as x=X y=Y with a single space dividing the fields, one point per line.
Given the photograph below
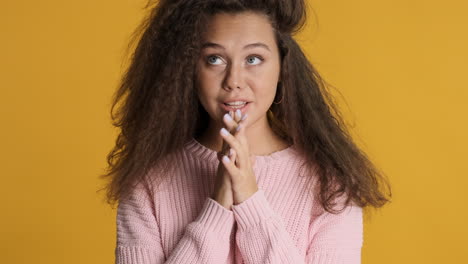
x=261 y=235
x=336 y=238
x=263 y=238
x=205 y=240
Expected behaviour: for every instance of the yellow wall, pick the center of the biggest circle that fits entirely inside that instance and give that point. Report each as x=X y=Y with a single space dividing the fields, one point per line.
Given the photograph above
x=400 y=66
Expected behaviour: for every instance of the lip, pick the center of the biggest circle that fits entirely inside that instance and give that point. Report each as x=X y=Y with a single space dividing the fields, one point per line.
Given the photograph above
x=229 y=108
x=236 y=100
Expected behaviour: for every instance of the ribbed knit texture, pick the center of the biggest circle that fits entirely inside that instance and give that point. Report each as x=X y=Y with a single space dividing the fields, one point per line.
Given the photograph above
x=280 y=223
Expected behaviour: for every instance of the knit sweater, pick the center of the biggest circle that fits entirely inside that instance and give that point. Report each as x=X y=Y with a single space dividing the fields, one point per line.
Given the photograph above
x=280 y=223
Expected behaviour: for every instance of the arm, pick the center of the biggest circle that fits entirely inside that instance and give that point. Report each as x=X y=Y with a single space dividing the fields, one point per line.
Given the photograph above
x=262 y=237
x=337 y=238
x=139 y=239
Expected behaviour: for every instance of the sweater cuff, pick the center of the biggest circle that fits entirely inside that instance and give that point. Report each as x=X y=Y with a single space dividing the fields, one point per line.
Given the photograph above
x=252 y=211
x=216 y=218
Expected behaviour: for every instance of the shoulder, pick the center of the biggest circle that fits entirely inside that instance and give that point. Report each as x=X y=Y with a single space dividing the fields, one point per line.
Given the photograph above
x=184 y=167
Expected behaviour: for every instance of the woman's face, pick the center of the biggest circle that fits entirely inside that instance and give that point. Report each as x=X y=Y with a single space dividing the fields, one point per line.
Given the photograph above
x=239 y=62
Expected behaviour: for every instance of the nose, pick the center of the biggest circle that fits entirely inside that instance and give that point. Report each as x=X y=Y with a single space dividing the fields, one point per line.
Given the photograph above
x=234 y=77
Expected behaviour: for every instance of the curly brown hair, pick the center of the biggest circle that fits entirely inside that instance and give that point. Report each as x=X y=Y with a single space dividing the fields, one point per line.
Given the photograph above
x=160 y=111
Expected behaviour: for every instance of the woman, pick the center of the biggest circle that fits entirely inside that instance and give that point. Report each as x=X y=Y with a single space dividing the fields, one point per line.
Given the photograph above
x=231 y=150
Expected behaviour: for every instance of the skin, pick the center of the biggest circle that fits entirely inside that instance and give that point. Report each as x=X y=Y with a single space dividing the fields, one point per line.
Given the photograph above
x=229 y=70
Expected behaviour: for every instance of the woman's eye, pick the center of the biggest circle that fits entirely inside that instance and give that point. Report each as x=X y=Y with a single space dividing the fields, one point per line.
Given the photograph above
x=216 y=60
x=252 y=60
x=212 y=60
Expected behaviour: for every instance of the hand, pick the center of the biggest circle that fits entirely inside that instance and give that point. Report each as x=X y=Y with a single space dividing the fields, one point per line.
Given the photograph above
x=240 y=165
x=223 y=190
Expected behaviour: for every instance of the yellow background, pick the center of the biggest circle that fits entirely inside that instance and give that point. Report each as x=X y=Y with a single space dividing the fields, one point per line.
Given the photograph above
x=399 y=65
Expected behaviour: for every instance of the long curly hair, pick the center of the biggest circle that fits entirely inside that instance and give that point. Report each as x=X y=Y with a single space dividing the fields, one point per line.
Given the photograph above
x=158 y=108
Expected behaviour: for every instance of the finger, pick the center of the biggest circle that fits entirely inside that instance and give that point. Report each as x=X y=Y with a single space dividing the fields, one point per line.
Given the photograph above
x=243 y=120
x=241 y=136
x=229 y=165
x=232 y=155
x=238 y=116
x=234 y=144
x=226 y=119
x=244 y=117
x=229 y=122
x=240 y=130
x=224 y=150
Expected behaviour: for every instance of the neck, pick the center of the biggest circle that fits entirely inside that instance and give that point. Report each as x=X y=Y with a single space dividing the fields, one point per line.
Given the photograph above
x=260 y=137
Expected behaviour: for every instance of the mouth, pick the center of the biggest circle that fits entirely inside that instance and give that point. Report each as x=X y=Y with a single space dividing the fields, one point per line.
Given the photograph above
x=242 y=106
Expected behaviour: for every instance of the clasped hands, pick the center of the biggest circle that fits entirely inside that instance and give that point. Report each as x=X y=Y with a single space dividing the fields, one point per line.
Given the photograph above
x=235 y=179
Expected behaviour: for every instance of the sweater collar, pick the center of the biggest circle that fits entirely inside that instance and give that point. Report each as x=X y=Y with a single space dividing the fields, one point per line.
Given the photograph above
x=205 y=153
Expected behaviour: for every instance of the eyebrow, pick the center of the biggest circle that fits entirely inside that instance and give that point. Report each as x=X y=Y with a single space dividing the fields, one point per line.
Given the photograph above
x=248 y=46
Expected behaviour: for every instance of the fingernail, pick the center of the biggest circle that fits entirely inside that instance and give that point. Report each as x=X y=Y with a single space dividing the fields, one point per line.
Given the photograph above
x=231 y=152
x=226 y=159
x=228 y=117
x=244 y=117
x=238 y=113
x=238 y=127
x=224 y=131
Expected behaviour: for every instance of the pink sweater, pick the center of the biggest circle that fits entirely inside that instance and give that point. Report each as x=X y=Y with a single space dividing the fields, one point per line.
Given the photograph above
x=280 y=223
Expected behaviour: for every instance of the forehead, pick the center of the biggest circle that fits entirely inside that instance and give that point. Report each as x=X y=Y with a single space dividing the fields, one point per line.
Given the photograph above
x=239 y=29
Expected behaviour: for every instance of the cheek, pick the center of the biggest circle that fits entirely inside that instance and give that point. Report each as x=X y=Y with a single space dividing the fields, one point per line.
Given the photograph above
x=206 y=98
x=205 y=85
x=265 y=86
x=207 y=94
x=207 y=79
x=266 y=76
